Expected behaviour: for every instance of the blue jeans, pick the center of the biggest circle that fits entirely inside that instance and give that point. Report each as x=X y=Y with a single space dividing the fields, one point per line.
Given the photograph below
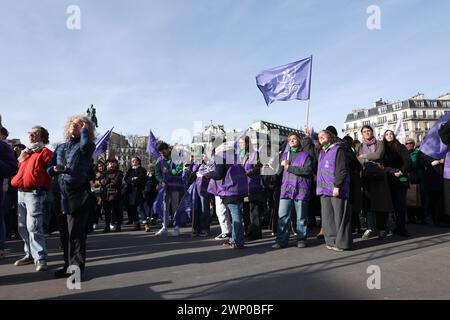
x=284 y=220
x=237 y=234
x=30 y=218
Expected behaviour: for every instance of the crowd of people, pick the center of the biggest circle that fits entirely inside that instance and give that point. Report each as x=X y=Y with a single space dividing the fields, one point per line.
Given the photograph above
x=354 y=187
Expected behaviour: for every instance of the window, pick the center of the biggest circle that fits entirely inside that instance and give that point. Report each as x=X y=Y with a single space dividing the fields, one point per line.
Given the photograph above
x=406 y=127
x=405 y=115
x=427 y=126
x=414 y=114
x=417 y=126
x=382 y=110
x=446 y=104
x=382 y=120
x=397 y=106
x=433 y=104
x=366 y=123
x=434 y=114
x=394 y=117
x=355 y=125
x=420 y=104
x=424 y=113
x=355 y=135
x=347 y=127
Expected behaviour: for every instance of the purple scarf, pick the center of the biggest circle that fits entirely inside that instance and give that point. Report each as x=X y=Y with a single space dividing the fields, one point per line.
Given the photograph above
x=369 y=146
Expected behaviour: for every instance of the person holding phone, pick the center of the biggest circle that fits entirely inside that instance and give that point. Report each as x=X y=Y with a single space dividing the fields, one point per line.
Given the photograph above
x=72 y=165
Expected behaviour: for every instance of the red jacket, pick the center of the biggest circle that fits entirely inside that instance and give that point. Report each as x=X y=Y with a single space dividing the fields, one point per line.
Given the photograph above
x=32 y=172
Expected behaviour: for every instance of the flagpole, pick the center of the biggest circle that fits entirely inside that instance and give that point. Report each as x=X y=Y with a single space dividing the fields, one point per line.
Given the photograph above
x=307 y=113
x=309 y=100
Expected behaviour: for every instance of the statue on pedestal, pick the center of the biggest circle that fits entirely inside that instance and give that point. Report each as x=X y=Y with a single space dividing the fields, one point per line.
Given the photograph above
x=90 y=112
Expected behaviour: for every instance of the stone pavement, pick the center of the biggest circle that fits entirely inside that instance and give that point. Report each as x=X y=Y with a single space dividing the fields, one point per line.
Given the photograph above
x=139 y=265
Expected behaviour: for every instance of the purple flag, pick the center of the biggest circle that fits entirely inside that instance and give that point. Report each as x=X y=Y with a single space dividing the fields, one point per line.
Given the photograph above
x=159 y=203
x=184 y=210
x=101 y=145
x=152 y=146
x=289 y=82
x=432 y=145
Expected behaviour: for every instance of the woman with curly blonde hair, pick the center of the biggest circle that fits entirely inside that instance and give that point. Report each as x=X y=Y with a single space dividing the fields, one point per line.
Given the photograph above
x=90 y=126
x=72 y=165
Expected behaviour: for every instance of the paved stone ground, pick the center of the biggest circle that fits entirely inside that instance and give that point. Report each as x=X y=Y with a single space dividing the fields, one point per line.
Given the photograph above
x=138 y=265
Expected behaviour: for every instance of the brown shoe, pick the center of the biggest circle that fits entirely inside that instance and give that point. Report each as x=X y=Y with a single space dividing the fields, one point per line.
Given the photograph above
x=232 y=245
x=147 y=228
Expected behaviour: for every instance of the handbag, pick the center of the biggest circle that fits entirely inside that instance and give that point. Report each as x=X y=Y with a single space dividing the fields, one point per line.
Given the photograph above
x=373 y=171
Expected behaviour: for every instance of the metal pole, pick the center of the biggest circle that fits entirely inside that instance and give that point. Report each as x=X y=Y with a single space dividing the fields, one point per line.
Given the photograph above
x=307 y=113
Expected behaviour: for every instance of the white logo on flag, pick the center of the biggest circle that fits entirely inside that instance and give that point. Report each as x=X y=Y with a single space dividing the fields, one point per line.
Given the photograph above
x=286 y=82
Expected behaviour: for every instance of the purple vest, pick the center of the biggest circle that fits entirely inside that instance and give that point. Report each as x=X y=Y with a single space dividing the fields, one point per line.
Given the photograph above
x=234 y=183
x=294 y=187
x=254 y=184
x=447 y=167
x=325 y=174
x=212 y=187
x=174 y=183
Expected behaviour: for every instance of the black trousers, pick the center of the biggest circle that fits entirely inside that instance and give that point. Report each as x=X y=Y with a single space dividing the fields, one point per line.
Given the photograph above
x=133 y=214
x=113 y=212
x=72 y=228
x=398 y=195
x=252 y=212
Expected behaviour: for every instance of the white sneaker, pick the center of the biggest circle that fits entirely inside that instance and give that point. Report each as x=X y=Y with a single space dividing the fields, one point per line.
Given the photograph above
x=41 y=266
x=94 y=226
x=329 y=247
x=222 y=236
x=112 y=227
x=162 y=232
x=367 y=234
x=176 y=232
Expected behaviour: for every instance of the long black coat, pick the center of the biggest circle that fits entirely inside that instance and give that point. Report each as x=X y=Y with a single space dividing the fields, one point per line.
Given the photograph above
x=135 y=187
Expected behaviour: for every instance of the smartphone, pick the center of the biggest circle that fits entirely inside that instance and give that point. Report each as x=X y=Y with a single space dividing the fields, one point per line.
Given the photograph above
x=60 y=168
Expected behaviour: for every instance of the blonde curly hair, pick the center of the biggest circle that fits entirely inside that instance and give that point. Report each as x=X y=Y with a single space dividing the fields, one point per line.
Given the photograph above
x=86 y=120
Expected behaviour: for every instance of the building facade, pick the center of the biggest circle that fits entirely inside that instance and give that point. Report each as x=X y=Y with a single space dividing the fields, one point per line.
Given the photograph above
x=418 y=115
x=124 y=148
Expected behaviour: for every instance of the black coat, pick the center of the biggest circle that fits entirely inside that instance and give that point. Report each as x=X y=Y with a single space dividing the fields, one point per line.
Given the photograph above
x=135 y=180
x=397 y=159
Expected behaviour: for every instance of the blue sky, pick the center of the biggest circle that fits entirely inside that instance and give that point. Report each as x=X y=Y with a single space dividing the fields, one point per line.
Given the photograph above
x=165 y=64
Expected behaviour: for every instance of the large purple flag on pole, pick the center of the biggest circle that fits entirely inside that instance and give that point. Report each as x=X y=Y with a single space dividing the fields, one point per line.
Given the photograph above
x=432 y=145
x=101 y=145
x=289 y=82
x=152 y=146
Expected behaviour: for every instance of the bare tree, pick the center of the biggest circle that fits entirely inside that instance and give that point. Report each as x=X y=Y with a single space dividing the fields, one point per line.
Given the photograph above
x=133 y=140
